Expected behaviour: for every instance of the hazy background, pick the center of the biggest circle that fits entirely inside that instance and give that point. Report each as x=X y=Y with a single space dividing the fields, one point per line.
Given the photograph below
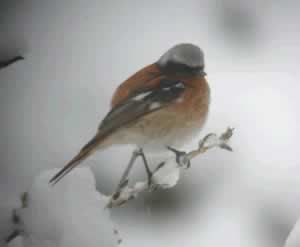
x=78 y=51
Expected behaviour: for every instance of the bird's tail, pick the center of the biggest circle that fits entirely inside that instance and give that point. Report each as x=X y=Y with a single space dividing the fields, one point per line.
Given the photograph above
x=85 y=152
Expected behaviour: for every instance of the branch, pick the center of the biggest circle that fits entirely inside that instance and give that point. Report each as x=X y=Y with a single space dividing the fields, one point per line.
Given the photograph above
x=167 y=173
x=6 y=63
x=12 y=236
x=16 y=219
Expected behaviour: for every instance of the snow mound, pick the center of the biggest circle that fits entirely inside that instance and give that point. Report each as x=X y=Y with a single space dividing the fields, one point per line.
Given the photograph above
x=70 y=213
x=293 y=239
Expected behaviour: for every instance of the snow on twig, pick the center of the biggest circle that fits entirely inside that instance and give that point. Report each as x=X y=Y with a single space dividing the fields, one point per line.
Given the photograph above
x=167 y=173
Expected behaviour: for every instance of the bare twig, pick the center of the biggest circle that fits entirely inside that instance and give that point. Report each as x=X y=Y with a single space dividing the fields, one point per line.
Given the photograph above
x=12 y=236
x=16 y=232
x=167 y=173
x=16 y=219
x=6 y=63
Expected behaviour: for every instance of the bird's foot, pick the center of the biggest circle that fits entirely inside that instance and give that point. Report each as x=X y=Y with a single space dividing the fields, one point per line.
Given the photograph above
x=181 y=158
x=149 y=173
x=149 y=177
x=154 y=186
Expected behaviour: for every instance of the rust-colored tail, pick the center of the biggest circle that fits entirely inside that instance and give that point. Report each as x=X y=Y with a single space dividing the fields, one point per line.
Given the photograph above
x=85 y=152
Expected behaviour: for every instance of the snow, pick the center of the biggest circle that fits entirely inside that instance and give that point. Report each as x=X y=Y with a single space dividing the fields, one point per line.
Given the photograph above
x=71 y=213
x=17 y=242
x=168 y=175
x=293 y=239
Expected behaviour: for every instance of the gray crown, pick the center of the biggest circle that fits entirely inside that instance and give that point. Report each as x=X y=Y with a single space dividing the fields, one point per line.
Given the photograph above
x=187 y=54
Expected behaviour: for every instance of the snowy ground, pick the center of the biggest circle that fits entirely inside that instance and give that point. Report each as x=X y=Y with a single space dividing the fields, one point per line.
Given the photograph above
x=72 y=213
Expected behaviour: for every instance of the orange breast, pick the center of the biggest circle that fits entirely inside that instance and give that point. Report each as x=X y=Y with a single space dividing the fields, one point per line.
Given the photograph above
x=196 y=97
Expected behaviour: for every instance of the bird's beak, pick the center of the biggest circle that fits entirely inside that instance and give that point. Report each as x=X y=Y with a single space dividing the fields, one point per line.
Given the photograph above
x=203 y=73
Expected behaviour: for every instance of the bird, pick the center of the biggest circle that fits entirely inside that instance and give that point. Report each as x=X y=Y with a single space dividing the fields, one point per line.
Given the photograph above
x=165 y=104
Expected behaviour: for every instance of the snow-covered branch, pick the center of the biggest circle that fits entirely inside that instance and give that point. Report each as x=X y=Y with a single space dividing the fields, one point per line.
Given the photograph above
x=167 y=173
x=74 y=213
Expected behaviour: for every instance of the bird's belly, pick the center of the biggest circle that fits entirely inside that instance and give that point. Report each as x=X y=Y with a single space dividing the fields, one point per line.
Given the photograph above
x=166 y=128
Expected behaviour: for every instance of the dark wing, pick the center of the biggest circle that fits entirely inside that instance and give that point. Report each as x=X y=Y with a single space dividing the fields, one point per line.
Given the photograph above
x=142 y=102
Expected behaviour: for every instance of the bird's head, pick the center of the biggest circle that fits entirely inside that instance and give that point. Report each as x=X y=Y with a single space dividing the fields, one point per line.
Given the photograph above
x=183 y=58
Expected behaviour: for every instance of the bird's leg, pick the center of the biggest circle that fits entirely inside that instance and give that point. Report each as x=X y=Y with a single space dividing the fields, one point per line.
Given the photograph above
x=181 y=157
x=123 y=180
x=148 y=171
x=125 y=174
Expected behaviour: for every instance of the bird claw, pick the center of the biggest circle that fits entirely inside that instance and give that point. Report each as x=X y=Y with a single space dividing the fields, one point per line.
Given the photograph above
x=124 y=183
x=153 y=187
x=181 y=158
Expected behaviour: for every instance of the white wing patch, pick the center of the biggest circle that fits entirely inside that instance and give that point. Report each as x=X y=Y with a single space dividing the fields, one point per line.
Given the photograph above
x=166 y=90
x=141 y=96
x=154 y=106
x=179 y=85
